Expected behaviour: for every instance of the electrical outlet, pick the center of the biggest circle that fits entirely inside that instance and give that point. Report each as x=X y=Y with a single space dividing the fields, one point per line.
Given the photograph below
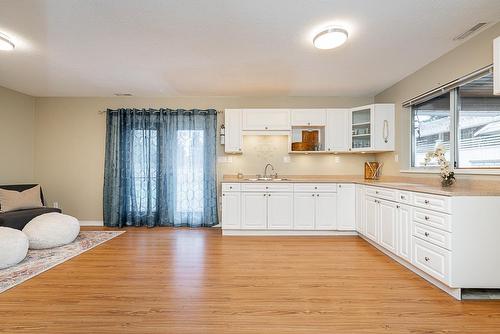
x=55 y=205
x=396 y=157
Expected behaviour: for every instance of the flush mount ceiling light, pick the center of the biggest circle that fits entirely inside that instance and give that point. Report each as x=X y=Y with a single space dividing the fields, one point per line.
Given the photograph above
x=330 y=38
x=5 y=43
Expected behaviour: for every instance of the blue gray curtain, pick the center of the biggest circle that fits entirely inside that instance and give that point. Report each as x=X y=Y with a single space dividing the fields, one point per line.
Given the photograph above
x=160 y=168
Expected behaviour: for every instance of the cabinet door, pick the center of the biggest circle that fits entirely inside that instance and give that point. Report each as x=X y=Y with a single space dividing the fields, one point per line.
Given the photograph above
x=304 y=211
x=337 y=129
x=308 y=117
x=371 y=216
x=232 y=123
x=360 y=209
x=279 y=211
x=496 y=66
x=326 y=211
x=231 y=218
x=387 y=223
x=346 y=207
x=404 y=232
x=383 y=127
x=254 y=211
x=266 y=119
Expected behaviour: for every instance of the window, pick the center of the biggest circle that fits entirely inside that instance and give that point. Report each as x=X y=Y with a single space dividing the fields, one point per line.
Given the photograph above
x=144 y=155
x=189 y=172
x=478 y=124
x=465 y=120
x=431 y=127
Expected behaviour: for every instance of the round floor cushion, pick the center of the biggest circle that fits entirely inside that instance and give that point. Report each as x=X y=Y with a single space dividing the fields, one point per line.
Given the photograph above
x=13 y=247
x=51 y=230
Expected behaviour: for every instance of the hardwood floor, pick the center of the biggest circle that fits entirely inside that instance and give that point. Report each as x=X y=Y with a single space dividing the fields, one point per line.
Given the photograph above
x=196 y=281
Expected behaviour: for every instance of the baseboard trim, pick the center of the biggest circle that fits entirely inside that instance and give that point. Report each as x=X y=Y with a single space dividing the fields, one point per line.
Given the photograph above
x=91 y=223
x=454 y=292
x=286 y=233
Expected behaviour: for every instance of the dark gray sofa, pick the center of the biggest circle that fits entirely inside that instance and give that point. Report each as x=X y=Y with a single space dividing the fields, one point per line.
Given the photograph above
x=19 y=218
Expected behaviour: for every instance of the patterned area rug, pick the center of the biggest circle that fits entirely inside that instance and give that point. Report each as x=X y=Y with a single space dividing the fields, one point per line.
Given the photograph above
x=38 y=261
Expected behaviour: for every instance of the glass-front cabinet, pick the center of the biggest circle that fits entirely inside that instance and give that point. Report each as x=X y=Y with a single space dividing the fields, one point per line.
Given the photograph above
x=361 y=129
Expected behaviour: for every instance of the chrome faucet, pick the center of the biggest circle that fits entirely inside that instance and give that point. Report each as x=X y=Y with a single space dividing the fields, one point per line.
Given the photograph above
x=273 y=170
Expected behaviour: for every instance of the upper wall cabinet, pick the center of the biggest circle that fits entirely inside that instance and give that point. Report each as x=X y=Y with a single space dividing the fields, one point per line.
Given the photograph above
x=372 y=128
x=266 y=119
x=496 y=65
x=337 y=126
x=308 y=117
x=232 y=122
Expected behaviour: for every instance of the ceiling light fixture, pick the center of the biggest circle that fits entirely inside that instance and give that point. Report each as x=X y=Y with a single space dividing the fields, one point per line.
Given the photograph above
x=330 y=38
x=5 y=43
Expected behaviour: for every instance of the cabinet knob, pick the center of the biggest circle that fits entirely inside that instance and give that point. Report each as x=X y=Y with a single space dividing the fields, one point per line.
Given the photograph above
x=223 y=194
x=402 y=197
x=397 y=206
x=426 y=201
x=265 y=127
x=340 y=186
x=312 y=195
x=376 y=192
x=239 y=149
x=315 y=187
x=268 y=195
x=230 y=187
x=427 y=259
x=328 y=149
x=426 y=217
x=317 y=195
x=264 y=195
x=308 y=123
x=267 y=187
x=426 y=234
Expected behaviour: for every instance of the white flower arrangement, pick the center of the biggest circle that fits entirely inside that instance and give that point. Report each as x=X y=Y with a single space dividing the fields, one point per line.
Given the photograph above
x=447 y=176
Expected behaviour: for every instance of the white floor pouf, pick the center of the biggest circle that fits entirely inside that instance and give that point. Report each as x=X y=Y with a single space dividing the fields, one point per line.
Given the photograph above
x=51 y=230
x=13 y=246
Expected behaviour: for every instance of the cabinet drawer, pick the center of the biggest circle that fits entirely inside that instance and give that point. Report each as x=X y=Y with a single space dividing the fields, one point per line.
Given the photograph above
x=315 y=188
x=432 y=259
x=432 y=235
x=385 y=193
x=433 y=202
x=433 y=219
x=228 y=187
x=404 y=197
x=267 y=187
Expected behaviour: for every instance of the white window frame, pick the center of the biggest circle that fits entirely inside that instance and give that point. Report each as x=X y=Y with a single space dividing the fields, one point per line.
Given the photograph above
x=452 y=89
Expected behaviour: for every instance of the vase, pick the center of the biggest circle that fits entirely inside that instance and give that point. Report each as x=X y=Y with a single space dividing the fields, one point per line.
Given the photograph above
x=447 y=182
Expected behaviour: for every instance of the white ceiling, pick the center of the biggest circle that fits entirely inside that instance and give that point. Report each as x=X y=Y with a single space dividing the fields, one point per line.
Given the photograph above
x=225 y=47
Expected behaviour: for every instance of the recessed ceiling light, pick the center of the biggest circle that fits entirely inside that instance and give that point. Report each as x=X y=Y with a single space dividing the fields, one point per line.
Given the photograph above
x=330 y=38
x=5 y=43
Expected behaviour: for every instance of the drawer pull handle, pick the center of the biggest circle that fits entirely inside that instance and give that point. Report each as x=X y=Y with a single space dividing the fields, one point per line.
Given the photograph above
x=376 y=192
x=426 y=259
x=426 y=218
x=426 y=201
x=426 y=234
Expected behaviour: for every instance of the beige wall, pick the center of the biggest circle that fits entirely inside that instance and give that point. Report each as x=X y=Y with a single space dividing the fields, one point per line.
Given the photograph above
x=17 y=124
x=70 y=138
x=468 y=57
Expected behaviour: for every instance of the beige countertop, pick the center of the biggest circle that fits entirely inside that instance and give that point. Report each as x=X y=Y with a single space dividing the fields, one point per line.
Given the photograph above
x=429 y=185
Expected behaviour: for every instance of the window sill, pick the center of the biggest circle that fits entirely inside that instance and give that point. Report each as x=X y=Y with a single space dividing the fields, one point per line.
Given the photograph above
x=492 y=171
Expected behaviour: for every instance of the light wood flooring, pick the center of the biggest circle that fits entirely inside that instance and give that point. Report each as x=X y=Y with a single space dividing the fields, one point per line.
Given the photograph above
x=165 y=280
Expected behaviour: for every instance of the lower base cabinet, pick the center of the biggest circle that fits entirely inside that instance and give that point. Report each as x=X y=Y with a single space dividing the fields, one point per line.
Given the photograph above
x=231 y=202
x=304 y=211
x=404 y=231
x=280 y=211
x=326 y=211
x=387 y=221
x=371 y=217
x=253 y=210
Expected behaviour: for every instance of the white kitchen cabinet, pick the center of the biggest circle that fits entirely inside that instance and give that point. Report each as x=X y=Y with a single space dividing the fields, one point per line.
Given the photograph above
x=372 y=128
x=371 y=216
x=337 y=129
x=404 y=231
x=254 y=210
x=360 y=211
x=346 y=207
x=265 y=119
x=496 y=66
x=326 y=211
x=233 y=134
x=387 y=217
x=304 y=211
x=308 y=117
x=231 y=213
x=280 y=211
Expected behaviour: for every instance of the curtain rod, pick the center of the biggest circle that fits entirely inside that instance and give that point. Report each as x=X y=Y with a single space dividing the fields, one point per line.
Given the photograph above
x=186 y=111
x=447 y=87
